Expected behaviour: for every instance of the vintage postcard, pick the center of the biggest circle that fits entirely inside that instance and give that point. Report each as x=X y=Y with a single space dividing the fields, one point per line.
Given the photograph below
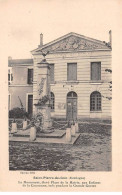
x=60 y=95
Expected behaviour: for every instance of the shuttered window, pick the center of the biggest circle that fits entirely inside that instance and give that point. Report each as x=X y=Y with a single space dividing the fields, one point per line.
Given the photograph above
x=10 y=76
x=30 y=76
x=72 y=71
x=96 y=71
x=51 y=73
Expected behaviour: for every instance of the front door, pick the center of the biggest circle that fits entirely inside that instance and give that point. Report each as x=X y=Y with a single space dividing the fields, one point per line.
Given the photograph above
x=30 y=105
x=72 y=106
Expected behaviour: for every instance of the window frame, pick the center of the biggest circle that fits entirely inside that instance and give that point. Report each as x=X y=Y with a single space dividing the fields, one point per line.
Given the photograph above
x=71 y=63
x=96 y=101
x=29 y=83
x=27 y=95
x=91 y=71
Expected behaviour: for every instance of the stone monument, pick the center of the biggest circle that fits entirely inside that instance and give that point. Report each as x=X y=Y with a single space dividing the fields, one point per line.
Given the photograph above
x=43 y=94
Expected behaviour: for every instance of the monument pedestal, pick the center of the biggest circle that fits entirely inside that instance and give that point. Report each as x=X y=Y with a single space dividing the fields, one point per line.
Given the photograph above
x=14 y=127
x=46 y=117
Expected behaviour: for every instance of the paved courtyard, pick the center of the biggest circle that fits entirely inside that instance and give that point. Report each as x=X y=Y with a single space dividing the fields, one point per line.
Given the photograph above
x=91 y=152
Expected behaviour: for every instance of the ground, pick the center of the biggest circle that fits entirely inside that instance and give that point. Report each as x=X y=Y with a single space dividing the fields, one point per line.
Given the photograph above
x=91 y=152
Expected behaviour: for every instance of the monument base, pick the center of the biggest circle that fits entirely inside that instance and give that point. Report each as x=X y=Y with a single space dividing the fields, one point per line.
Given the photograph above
x=46 y=122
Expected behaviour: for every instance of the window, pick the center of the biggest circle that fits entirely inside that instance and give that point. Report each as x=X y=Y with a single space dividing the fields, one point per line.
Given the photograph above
x=30 y=76
x=95 y=101
x=52 y=103
x=10 y=76
x=72 y=71
x=72 y=94
x=51 y=73
x=96 y=71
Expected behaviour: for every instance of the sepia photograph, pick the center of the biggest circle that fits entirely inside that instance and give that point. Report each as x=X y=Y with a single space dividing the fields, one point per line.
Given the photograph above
x=60 y=105
x=60 y=126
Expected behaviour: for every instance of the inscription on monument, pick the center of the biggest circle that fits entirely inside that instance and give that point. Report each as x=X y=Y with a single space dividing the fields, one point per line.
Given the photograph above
x=41 y=85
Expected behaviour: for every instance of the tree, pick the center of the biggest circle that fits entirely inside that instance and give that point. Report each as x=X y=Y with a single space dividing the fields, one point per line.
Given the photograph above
x=110 y=85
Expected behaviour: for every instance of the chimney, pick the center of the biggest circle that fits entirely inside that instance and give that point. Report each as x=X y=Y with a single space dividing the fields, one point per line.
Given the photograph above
x=9 y=58
x=110 y=38
x=41 y=40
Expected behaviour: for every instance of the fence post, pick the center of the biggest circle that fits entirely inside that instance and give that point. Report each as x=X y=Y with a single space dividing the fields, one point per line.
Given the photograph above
x=73 y=130
x=68 y=135
x=32 y=131
x=76 y=127
x=14 y=127
x=24 y=124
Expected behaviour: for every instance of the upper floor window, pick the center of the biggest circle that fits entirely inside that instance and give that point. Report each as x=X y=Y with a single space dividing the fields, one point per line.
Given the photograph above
x=10 y=76
x=30 y=76
x=72 y=71
x=52 y=103
x=96 y=71
x=51 y=73
x=95 y=101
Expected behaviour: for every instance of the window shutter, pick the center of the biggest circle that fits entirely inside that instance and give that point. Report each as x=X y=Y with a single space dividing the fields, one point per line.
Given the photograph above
x=95 y=71
x=72 y=72
x=30 y=76
x=51 y=73
x=9 y=77
x=99 y=71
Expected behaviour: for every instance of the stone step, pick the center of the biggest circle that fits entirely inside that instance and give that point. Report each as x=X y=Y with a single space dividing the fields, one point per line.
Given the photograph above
x=57 y=137
x=54 y=134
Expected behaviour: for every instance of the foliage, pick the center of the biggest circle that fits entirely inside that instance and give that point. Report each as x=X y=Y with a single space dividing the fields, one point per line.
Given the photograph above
x=108 y=70
x=18 y=113
x=36 y=121
x=42 y=101
x=110 y=84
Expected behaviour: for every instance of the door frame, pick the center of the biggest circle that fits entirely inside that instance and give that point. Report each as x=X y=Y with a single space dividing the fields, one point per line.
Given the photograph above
x=67 y=102
x=27 y=94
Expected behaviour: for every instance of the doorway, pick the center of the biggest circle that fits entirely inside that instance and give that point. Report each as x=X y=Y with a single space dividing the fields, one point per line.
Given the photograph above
x=71 y=106
x=30 y=105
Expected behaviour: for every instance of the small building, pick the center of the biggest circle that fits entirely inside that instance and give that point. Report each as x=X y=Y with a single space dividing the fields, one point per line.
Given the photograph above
x=79 y=80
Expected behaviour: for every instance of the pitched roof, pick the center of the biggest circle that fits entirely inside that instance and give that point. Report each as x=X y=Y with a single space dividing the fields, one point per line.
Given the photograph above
x=20 y=62
x=73 y=42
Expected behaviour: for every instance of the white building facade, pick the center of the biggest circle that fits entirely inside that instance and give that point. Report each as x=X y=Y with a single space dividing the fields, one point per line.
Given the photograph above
x=79 y=80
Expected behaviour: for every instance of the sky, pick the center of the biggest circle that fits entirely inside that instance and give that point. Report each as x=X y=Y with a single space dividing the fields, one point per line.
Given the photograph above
x=22 y=21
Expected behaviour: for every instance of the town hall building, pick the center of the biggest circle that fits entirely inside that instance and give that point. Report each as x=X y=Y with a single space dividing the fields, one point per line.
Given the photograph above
x=79 y=82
